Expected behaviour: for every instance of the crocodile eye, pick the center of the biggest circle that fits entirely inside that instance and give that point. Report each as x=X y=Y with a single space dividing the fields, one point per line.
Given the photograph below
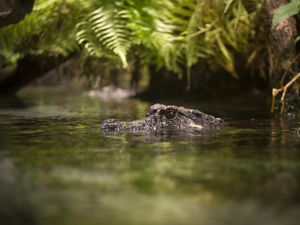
x=170 y=113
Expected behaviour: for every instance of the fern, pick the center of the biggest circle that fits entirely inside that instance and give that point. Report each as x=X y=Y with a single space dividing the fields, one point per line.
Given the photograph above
x=47 y=30
x=175 y=33
x=202 y=29
x=105 y=30
x=58 y=27
x=168 y=36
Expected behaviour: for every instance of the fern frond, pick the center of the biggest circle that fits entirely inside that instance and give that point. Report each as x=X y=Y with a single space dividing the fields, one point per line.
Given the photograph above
x=176 y=33
x=103 y=30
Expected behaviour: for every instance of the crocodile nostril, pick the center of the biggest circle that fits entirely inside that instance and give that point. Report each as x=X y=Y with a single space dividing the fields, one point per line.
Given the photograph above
x=151 y=111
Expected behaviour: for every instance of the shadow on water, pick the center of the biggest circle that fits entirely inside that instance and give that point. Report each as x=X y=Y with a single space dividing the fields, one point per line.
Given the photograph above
x=56 y=167
x=13 y=102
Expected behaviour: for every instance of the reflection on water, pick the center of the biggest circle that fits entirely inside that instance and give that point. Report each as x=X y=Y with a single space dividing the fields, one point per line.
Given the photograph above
x=57 y=168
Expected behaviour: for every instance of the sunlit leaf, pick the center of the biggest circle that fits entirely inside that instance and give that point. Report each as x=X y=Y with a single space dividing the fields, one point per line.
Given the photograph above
x=285 y=11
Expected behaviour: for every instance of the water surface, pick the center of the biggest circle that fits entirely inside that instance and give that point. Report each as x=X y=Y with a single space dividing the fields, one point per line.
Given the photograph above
x=56 y=167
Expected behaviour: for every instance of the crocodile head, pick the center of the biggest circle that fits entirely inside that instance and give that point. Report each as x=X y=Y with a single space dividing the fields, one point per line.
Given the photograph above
x=166 y=118
x=170 y=117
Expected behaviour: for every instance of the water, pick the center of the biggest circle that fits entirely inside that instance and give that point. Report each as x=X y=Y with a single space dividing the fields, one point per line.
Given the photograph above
x=57 y=168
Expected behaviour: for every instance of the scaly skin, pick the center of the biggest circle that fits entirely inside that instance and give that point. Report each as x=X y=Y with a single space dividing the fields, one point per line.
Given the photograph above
x=165 y=118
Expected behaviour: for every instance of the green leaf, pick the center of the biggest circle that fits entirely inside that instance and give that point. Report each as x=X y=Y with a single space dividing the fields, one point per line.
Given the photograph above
x=239 y=13
x=229 y=3
x=297 y=39
x=285 y=11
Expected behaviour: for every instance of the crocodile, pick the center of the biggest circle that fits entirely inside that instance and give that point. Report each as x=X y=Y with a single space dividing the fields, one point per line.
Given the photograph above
x=165 y=118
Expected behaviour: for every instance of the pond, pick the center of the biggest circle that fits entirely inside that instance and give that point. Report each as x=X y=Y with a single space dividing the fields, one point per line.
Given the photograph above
x=56 y=167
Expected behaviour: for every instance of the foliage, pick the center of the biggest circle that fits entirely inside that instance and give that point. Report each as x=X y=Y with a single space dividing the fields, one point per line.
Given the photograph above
x=105 y=28
x=285 y=11
x=47 y=30
x=173 y=33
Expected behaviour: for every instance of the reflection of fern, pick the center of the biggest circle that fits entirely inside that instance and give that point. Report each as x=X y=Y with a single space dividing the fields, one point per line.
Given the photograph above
x=104 y=30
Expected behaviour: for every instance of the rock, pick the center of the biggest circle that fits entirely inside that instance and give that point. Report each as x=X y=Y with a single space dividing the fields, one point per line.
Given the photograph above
x=12 y=11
